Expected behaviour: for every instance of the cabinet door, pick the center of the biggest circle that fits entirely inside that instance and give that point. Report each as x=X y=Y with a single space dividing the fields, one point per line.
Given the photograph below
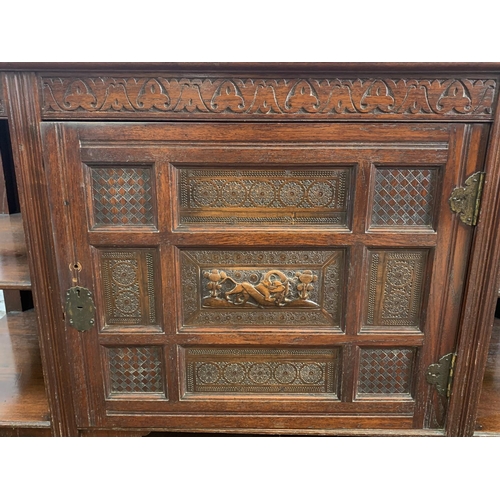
x=261 y=276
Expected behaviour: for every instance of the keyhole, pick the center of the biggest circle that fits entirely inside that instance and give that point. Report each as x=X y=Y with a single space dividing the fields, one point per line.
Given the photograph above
x=78 y=292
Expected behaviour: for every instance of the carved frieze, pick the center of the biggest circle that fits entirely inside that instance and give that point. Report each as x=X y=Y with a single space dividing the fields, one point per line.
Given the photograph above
x=284 y=196
x=128 y=282
x=261 y=287
x=261 y=370
x=395 y=288
x=317 y=98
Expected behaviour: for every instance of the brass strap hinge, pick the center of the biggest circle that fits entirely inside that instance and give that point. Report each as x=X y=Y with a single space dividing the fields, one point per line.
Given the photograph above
x=466 y=200
x=440 y=374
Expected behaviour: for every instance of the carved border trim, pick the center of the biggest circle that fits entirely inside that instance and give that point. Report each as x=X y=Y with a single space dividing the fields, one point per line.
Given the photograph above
x=163 y=97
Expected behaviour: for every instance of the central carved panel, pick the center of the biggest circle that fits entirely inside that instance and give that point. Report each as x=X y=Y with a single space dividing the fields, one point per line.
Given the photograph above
x=282 y=196
x=261 y=287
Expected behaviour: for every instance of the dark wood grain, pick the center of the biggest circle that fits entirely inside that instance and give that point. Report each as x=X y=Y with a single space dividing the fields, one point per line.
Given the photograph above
x=23 y=401
x=415 y=250
x=480 y=299
x=4 y=204
x=3 y=112
x=14 y=270
x=488 y=410
x=90 y=376
x=24 y=120
x=314 y=68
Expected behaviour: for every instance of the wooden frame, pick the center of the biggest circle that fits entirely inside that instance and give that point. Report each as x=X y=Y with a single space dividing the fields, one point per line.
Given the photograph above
x=23 y=105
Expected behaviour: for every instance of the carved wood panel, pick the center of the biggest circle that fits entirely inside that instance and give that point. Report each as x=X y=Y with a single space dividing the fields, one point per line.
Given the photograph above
x=134 y=370
x=275 y=288
x=330 y=318
x=279 y=196
x=404 y=197
x=163 y=97
x=261 y=370
x=121 y=196
x=396 y=281
x=129 y=282
x=385 y=372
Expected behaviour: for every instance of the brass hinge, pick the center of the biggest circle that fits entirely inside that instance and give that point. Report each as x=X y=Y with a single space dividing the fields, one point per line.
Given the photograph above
x=440 y=374
x=466 y=200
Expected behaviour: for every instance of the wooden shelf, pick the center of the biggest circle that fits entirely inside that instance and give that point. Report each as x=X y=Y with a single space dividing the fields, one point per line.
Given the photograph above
x=23 y=402
x=14 y=270
x=488 y=415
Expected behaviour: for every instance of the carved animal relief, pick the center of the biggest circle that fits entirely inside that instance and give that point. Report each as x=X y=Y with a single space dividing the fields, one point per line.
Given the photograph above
x=247 y=288
x=273 y=289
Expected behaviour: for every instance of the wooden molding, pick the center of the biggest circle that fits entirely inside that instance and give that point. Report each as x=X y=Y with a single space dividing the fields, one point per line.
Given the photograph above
x=480 y=300
x=160 y=97
x=24 y=122
x=2 y=99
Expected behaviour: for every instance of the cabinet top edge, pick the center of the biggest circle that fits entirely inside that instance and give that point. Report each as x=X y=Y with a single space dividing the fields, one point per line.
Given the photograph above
x=275 y=67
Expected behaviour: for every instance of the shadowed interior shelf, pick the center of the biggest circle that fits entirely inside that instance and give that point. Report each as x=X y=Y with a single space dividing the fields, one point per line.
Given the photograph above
x=14 y=270
x=23 y=402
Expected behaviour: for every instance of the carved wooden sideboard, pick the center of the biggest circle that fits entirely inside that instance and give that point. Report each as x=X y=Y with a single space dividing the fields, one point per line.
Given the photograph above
x=257 y=248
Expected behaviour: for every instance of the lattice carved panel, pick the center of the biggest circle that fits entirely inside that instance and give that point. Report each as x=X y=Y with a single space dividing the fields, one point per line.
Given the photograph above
x=285 y=196
x=135 y=370
x=261 y=287
x=396 y=283
x=128 y=284
x=385 y=371
x=261 y=370
x=404 y=197
x=122 y=196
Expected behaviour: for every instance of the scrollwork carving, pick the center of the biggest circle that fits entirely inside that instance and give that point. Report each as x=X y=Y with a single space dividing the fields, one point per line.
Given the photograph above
x=255 y=97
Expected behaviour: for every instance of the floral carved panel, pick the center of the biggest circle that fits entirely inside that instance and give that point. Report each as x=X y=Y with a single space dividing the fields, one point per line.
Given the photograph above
x=279 y=196
x=312 y=371
x=396 y=282
x=128 y=283
x=304 y=98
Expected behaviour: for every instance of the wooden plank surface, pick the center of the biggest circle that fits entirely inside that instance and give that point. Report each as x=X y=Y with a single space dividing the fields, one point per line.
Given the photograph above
x=14 y=270
x=23 y=402
x=488 y=417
